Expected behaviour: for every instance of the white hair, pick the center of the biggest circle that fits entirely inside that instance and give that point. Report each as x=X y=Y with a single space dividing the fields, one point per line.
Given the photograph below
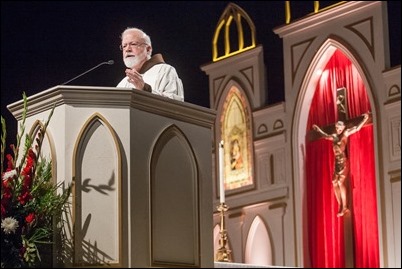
x=144 y=36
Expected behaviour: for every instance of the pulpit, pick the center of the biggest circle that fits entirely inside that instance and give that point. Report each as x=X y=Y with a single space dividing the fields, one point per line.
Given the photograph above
x=141 y=170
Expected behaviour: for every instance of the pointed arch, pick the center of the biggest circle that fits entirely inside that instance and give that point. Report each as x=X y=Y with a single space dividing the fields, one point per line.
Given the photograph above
x=235 y=129
x=233 y=25
x=183 y=199
x=258 y=248
x=48 y=151
x=97 y=194
x=216 y=237
x=302 y=175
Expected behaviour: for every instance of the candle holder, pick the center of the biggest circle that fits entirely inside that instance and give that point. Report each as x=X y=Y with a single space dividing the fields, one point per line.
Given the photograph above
x=223 y=254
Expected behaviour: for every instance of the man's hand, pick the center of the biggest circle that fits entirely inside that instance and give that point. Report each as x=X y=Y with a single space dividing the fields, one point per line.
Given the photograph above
x=135 y=78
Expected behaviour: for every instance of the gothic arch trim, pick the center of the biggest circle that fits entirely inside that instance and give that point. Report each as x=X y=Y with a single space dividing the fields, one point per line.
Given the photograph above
x=182 y=171
x=299 y=119
x=87 y=252
x=298 y=52
x=36 y=126
x=232 y=13
x=368 y=37
x=234 y=126
x=239 y=84
x=258 y=241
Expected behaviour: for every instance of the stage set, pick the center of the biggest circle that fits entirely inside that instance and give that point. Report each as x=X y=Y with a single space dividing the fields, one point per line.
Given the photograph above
x=162 y=183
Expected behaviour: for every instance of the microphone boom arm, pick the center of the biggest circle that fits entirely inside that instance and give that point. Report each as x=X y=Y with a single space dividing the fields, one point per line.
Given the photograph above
x=108 y=62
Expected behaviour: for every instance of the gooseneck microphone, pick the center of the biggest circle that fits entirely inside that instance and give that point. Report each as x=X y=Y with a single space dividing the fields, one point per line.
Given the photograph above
x=110 y=62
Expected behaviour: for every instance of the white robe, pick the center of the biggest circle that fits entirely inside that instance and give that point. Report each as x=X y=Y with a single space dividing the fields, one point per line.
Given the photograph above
x=163 y=80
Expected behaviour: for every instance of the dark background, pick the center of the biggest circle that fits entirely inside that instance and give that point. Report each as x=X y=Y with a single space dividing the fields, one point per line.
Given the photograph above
x=44 y=43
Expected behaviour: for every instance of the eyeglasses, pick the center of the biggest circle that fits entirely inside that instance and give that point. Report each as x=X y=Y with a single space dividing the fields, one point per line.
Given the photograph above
x=131 y=44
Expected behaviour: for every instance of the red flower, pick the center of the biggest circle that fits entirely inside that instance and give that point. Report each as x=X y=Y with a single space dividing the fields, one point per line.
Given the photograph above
x=30 y=218
x=3 y=211
x=27 y=183
x=27 y=172
x=7 y=194
x=6 y=184
x=24 y=198
x=10 y=160
x=5 y=201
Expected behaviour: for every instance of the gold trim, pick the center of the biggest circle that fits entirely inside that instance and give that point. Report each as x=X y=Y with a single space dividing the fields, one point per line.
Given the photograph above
x=232 y=12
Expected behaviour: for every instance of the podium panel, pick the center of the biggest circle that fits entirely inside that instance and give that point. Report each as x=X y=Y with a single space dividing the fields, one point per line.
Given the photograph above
x=141 y=169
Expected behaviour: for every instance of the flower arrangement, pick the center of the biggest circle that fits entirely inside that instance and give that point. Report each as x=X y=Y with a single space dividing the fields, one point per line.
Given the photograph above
x=31 y=204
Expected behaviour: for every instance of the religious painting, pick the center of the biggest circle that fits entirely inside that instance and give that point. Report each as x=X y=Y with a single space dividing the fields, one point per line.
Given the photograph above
x=236 y=134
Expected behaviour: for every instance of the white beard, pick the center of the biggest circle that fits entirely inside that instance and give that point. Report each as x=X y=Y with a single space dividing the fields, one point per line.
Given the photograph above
x=130 y=61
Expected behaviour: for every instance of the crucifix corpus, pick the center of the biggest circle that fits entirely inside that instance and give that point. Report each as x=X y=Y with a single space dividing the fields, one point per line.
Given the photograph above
x=339 y=134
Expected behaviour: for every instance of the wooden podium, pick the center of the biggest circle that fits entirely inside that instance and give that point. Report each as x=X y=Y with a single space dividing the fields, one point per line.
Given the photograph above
x=141 y=168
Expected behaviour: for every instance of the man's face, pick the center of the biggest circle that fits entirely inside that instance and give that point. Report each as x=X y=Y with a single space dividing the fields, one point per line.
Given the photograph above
x=134 y=49
x=339 y=128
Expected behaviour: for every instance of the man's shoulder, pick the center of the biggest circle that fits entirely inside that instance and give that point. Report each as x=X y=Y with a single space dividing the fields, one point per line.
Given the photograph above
x=162 y=67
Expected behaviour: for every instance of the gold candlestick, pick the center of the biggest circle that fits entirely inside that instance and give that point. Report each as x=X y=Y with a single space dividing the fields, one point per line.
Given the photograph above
x=223 y=254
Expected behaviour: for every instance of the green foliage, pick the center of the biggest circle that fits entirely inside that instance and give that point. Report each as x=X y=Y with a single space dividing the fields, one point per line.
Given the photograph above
x=31 y=203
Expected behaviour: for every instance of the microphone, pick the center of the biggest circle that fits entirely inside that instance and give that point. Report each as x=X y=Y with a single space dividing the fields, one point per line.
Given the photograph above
x=110 y=62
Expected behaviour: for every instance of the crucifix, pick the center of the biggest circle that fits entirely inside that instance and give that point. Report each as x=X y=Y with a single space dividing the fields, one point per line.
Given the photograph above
x=338 y=133
x=343 y=116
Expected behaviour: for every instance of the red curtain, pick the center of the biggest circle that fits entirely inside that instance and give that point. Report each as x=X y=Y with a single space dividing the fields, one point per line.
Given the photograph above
x=325 y=229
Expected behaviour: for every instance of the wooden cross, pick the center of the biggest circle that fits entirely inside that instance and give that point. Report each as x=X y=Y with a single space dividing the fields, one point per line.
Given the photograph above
x=341 y=104
x=342 y=110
